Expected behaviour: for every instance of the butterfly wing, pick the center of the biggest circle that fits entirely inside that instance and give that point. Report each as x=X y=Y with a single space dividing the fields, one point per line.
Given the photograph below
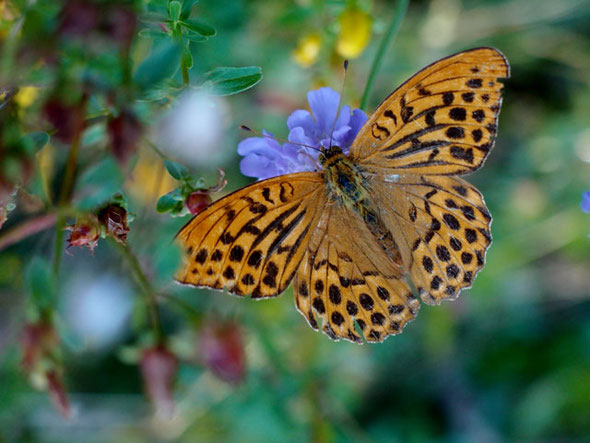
x=442 y=227
x=345 y=276
x=252 y=241
x=441 y=121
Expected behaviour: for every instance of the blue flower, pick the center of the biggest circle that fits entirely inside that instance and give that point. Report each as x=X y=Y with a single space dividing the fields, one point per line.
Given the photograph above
x=585 y=203
x=265 y=157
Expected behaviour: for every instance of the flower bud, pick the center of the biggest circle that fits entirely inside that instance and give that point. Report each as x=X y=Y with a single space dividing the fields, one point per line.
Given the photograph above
x=85 y=232
x=114 y=219
x=197 y=201
x=158 y=368
x=37 y=340
x=222 y=350
x=57 y=393
x=39 y=343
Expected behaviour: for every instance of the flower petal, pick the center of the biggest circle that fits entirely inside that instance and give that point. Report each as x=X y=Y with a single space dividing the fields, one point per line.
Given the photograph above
x=301 y=118
x=356 y=122
x=255 y=165
x=585 y=203
x=324 y=105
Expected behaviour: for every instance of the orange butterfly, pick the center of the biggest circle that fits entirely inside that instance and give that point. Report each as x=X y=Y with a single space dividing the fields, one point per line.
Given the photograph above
x=349 y=233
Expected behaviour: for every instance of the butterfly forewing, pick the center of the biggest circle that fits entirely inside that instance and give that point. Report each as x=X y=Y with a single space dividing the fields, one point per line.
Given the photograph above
x=442 y=121
x=252 y=240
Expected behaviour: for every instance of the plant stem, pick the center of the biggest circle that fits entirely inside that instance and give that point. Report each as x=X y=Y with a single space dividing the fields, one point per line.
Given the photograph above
x=398 y=16
x=26 y=229
x=184 y=70
x=67 y=188
x=145 y=286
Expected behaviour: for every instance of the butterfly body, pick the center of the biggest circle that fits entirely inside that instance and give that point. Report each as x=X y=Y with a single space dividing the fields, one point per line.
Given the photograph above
x=350 y=233
x=344 y=180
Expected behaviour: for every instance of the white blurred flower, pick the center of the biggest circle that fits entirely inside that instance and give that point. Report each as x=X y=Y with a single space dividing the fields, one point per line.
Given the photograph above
x=192 y=130
x=97 y=310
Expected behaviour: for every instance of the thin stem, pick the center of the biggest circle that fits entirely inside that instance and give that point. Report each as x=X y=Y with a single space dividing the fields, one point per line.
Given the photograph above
x=26 y=229
x=67 y=188
x=144 y=284
x=67 y=184
x=398 y=16
x=184 y=70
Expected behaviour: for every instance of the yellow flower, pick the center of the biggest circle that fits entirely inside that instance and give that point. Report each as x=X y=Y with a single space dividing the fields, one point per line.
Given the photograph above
x=26 y=96
x=355 y=32
x=308 y=49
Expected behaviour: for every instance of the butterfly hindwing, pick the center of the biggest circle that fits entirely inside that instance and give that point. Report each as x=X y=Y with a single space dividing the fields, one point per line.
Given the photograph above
x=251 y=241
x=345 y=277
x=443 y=230
x=442 y=121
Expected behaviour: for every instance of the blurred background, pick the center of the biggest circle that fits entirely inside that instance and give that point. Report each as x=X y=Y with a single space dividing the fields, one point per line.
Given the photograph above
x=107 y=106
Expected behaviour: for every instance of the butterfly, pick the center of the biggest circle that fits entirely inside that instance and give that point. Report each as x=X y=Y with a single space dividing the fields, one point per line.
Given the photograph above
x=350 y=234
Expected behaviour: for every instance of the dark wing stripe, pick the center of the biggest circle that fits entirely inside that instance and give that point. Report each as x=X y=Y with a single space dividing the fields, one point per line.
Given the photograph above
x=413 y=135
x=423 y=146
x=273 y=225
x=285 y=232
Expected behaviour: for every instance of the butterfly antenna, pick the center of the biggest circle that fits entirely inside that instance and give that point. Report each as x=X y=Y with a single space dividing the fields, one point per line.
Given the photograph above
x=272 y=137
x=345 y=65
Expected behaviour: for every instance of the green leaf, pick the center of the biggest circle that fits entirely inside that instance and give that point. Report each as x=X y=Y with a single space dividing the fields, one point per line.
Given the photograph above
x=152 y=33
x=37 y=140
x=169 y=202
x=187 y=58
x=193 y=37
x=174 y=9
x=161 y=63
x=187 y=6
x=227 y=81
x=40 y=283
x=176 y=170
x=200 y=27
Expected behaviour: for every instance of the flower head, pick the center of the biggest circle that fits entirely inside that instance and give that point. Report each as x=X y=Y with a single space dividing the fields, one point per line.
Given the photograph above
x=585 y=203
x=265 y=157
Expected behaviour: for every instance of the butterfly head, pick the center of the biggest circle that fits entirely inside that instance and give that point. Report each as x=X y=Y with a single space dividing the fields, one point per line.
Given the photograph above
x=329 y=153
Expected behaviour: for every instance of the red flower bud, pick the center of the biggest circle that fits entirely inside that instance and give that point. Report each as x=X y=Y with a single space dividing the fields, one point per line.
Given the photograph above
x=39 y=343
x=197 y=201
x=57 y=393
x=37 y=340
x=158 y=368
x=114 y=218
x=84 y=233
x=222 y=349
x=124 y=133
x=201 y=198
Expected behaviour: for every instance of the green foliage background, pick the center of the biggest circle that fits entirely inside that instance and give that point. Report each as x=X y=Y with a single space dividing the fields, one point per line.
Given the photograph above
x=509 y=360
